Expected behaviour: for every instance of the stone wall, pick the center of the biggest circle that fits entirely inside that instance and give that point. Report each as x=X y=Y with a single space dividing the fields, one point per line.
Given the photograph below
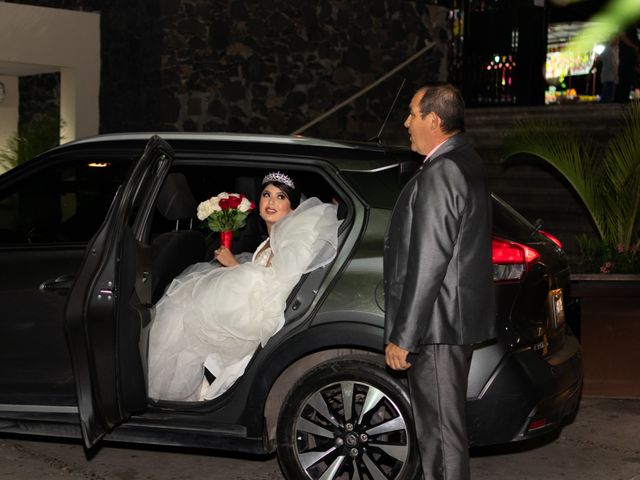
x=260 y=65
x=41 y=97
x=272 y=66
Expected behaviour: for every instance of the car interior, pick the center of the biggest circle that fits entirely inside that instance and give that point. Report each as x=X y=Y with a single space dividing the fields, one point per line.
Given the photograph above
x=55 y=211
x=179 y=238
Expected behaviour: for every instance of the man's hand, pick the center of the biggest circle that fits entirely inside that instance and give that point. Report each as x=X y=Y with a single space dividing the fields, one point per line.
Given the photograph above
x=396 y=357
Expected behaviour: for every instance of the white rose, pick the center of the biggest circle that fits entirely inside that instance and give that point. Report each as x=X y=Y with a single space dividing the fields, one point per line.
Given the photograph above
x=245 y=205
x=204 y=210
x=214 y=203
x=222 y=195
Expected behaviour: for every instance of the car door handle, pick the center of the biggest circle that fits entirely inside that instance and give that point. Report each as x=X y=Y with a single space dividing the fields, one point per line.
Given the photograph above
x=60 y=285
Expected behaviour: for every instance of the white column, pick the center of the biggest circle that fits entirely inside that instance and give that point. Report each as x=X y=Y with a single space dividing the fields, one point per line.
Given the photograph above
x=40 y=40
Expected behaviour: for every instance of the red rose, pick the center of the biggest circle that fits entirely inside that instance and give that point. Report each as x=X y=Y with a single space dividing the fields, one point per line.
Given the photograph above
x=234 y=201
x=224 y=203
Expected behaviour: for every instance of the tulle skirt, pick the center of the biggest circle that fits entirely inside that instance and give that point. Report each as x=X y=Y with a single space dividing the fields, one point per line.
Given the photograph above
x=217 y=317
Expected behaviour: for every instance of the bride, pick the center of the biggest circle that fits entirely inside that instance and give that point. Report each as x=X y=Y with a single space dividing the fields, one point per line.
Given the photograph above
x=217 y=317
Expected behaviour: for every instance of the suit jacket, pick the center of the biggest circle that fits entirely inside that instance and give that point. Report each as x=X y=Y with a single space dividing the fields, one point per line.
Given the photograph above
x=437 y=254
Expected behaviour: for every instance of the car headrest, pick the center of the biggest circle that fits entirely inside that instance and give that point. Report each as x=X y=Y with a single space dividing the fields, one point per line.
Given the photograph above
x=175 y=200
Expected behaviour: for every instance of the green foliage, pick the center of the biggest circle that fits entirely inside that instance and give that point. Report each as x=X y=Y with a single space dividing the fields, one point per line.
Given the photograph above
x=594 y=255
x=590 y=254
x=32 y=138
x=622 y=163
x=605 y=176
x=616 y=15
x=226 y=220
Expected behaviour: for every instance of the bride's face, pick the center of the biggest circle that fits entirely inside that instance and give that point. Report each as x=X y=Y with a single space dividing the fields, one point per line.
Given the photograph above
x=274 y=205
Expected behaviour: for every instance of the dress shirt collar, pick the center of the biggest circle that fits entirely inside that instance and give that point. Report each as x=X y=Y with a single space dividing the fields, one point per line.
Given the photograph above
x=428 y=157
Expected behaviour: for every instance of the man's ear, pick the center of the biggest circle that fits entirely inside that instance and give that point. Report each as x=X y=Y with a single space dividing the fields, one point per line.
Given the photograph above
x=435 y=121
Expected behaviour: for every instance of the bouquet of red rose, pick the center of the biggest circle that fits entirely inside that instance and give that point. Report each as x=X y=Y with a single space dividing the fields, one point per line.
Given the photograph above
x=225 y=213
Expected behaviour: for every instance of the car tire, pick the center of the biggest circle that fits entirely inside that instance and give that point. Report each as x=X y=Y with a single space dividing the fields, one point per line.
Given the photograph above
x=348 y=419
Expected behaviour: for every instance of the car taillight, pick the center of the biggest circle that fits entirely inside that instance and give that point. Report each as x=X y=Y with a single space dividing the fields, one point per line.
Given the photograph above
x=552 y=238
x=510 y=259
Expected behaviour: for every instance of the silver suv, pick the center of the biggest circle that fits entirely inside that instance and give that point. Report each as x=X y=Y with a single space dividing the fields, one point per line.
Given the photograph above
x=93 y=231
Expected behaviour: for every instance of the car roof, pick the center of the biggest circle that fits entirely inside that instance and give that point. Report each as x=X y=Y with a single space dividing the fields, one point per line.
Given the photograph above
x=222 y=137
x=344 y=154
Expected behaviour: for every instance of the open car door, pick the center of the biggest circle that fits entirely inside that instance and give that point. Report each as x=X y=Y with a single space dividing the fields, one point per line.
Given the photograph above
x=107 y=311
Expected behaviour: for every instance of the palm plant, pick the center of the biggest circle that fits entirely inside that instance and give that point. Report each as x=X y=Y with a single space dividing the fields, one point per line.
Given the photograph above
x=32 y=138
x=606 y=176
x=5 y=163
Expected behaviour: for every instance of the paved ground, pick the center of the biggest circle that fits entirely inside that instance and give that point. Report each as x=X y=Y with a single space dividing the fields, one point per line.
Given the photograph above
x=603 y=443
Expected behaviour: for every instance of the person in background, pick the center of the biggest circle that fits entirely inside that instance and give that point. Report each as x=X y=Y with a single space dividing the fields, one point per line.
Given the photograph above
x=607 y=62
x=629 y=47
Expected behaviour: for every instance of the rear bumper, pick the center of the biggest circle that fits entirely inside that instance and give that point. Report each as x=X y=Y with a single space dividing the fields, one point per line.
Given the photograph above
x=528 y=395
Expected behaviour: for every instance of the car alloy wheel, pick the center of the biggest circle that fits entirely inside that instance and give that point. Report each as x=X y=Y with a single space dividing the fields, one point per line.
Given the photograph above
x=347 y=419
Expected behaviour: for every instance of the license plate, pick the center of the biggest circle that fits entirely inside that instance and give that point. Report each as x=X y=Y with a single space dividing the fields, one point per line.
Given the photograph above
x=556 y=308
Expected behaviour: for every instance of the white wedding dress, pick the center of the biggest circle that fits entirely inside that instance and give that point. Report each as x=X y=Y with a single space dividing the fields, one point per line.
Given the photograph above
x=218 y=317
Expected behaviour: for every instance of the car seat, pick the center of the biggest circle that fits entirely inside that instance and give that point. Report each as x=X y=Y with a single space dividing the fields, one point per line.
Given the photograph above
x=175 y=250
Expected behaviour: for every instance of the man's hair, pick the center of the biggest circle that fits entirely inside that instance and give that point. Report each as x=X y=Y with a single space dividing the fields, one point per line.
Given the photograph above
x=446 y=101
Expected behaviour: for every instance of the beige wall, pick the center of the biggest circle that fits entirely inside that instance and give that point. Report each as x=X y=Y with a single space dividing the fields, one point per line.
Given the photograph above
x=39 y=40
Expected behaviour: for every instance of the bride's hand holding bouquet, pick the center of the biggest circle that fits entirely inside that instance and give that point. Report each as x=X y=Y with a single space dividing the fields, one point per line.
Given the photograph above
x=225 y=213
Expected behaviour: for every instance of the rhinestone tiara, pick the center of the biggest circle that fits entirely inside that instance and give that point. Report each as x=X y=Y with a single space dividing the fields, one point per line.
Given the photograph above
x=278 y=177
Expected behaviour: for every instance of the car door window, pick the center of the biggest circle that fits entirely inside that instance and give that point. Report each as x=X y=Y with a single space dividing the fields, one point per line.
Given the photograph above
x=61 y=203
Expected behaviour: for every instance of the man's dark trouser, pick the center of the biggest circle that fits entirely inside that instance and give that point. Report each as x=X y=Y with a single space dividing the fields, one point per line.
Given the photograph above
x=438 y=390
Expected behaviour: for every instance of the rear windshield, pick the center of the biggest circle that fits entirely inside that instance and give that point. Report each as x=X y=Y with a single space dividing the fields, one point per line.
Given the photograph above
x=379 y=188
x=509 y=223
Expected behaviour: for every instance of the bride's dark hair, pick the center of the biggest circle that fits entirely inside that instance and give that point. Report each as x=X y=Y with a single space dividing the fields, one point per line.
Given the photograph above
x=285 y=183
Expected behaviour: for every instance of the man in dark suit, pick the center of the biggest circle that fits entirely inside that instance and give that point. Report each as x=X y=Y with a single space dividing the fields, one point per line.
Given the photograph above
x=439 y=298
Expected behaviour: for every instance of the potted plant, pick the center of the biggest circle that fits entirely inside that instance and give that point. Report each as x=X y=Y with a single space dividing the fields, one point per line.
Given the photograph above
x=32 y=138
x=606 y=177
